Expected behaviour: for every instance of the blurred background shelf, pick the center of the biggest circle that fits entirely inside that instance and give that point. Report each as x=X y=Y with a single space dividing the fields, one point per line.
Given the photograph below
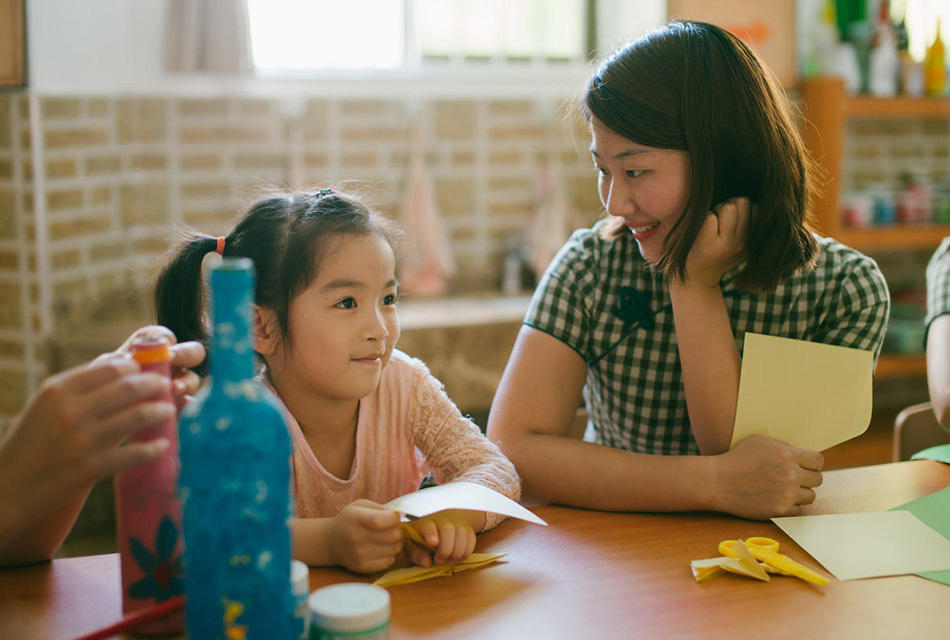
x=924 y=236
x=827 y=107
x=924 y=107
x=891 y=365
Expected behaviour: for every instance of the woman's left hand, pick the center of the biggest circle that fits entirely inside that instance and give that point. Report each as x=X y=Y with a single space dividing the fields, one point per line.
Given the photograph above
x=448 y=534
x=720 y=244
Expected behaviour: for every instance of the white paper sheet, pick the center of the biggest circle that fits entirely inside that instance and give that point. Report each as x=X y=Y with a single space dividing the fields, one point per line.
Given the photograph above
x=460 y=495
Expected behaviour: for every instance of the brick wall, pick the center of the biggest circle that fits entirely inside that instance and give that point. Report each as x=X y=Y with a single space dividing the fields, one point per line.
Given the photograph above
x=120 y=174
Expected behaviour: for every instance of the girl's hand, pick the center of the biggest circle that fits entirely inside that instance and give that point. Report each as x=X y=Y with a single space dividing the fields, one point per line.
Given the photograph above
x=763 y=477
x=365 y=537
x=720 y=244
x=184 y=356
x=448 y=534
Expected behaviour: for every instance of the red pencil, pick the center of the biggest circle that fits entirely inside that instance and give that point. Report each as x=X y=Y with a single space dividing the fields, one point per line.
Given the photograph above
x=133 y=620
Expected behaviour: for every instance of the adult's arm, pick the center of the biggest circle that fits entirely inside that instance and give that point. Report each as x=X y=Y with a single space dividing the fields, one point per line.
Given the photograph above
x=938 y=367
x=67 y=439
x=531 y=417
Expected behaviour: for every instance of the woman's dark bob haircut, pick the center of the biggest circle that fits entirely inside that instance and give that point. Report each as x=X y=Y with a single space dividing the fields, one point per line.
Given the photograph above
x=697 y=88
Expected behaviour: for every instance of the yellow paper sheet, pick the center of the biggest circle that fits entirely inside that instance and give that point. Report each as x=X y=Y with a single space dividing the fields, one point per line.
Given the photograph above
x=460 y=495
x=417 y=574
x=807 y=394
x=867 y=545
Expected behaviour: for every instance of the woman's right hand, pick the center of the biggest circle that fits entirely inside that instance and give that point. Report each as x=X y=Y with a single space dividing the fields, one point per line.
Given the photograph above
x=365 y=537
x=762 y=477
x=68 y=436
x=720 y=244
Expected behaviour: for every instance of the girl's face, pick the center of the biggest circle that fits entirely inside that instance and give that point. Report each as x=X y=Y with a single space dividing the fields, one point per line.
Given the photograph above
x=344 y=325
x=646 y=186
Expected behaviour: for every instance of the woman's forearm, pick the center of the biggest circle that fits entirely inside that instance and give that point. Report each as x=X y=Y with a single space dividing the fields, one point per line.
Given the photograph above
x=571 y=472
x=27 y=537
x=710 y=363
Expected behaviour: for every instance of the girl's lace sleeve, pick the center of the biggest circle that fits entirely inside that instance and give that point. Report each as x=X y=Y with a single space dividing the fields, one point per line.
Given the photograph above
x=453 y=446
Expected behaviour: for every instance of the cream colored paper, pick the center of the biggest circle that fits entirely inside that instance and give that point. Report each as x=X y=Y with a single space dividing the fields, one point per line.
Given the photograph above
x=460 y=495
x=868 y=545
x=807 y=394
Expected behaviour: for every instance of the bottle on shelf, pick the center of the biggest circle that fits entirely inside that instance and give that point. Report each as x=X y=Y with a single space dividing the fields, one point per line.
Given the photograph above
x=884 y=60
x=148 y=513
x=935 y=70
x=235 y=483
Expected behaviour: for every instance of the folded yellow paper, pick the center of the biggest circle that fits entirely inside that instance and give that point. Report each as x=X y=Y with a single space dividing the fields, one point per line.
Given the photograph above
x=418 y=574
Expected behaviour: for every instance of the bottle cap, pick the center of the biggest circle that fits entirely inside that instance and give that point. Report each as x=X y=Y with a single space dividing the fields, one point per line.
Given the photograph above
x=150 y=349
x=299 y=579
x=349 y=607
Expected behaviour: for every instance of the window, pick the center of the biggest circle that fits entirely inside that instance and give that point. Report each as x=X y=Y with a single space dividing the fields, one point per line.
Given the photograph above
x=289 y=36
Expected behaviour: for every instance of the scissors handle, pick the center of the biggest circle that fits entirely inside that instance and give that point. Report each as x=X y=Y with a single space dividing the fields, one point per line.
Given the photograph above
x=725 y=547
x=787 y=565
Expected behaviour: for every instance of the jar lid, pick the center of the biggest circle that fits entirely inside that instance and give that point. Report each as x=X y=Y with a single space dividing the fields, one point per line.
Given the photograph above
x=350 y=606
x=299 y=578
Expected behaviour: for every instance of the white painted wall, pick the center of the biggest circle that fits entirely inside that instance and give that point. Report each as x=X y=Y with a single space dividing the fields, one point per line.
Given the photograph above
x=117 y=46
x=94 y=45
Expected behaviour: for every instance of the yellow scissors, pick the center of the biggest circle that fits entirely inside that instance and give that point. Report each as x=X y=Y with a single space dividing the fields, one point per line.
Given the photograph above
x=766 y=550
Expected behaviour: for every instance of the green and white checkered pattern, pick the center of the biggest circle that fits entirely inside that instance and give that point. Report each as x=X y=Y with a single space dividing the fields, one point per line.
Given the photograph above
x=634 y=390
x=938 y=284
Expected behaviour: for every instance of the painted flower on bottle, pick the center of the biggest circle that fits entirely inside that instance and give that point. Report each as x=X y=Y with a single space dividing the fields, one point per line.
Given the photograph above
x=162 y=569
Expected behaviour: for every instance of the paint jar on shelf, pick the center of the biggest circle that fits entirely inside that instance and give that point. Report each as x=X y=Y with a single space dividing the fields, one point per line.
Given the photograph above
x=856 y=209
x=884 y=212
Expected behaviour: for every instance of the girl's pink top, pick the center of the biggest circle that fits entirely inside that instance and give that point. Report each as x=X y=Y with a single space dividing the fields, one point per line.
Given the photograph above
x=407 y=427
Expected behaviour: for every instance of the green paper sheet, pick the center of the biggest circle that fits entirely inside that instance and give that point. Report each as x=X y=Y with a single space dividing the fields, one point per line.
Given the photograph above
x=940 y=453
x=934 y=511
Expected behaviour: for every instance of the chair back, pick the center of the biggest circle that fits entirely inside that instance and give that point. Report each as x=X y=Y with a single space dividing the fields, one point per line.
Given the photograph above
x=916 y=428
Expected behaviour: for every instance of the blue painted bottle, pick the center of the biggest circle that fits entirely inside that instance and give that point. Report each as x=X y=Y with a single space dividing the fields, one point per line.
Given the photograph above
x=235 y=483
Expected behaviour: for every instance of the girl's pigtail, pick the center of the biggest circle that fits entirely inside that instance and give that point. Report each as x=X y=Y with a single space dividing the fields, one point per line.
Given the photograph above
x=178 y=293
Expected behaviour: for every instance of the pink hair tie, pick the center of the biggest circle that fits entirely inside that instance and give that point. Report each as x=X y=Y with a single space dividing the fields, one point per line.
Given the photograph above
x=219 y=249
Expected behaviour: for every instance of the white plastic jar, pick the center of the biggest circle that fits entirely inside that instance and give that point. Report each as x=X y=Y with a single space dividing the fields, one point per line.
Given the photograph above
x=351 y=610
x=300 y=587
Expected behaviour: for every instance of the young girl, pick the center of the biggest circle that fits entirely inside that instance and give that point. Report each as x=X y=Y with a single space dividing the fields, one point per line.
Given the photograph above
x=367 y=421
x=704 y=180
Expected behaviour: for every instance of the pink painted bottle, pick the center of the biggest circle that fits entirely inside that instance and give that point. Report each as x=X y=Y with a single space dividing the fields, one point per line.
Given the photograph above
x=148 y=512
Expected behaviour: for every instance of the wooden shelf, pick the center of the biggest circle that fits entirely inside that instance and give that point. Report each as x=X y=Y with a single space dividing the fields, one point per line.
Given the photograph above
x=890 y=365
x=867 y=106
x=897 y=237
x=827 y=107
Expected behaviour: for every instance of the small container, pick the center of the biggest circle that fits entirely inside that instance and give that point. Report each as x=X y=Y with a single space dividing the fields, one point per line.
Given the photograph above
x=300 y=587
x=148 y=511
x=885 y=210
x=351 y=610
x=857 y=209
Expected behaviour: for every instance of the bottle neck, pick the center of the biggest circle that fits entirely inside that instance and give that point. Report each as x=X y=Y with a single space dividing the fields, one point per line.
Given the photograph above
x=232 y=338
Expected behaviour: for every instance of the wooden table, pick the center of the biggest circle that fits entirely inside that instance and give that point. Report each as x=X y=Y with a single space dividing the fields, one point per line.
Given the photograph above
x=587 y=575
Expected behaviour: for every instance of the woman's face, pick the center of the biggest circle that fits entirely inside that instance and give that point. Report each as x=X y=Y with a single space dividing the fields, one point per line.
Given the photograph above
x=646 y=186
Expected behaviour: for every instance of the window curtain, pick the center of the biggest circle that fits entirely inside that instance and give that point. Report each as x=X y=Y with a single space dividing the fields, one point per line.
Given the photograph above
x=208 y=36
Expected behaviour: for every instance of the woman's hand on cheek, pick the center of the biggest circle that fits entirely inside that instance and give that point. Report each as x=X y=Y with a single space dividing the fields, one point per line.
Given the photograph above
x=448 y=535
x=720 y=243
